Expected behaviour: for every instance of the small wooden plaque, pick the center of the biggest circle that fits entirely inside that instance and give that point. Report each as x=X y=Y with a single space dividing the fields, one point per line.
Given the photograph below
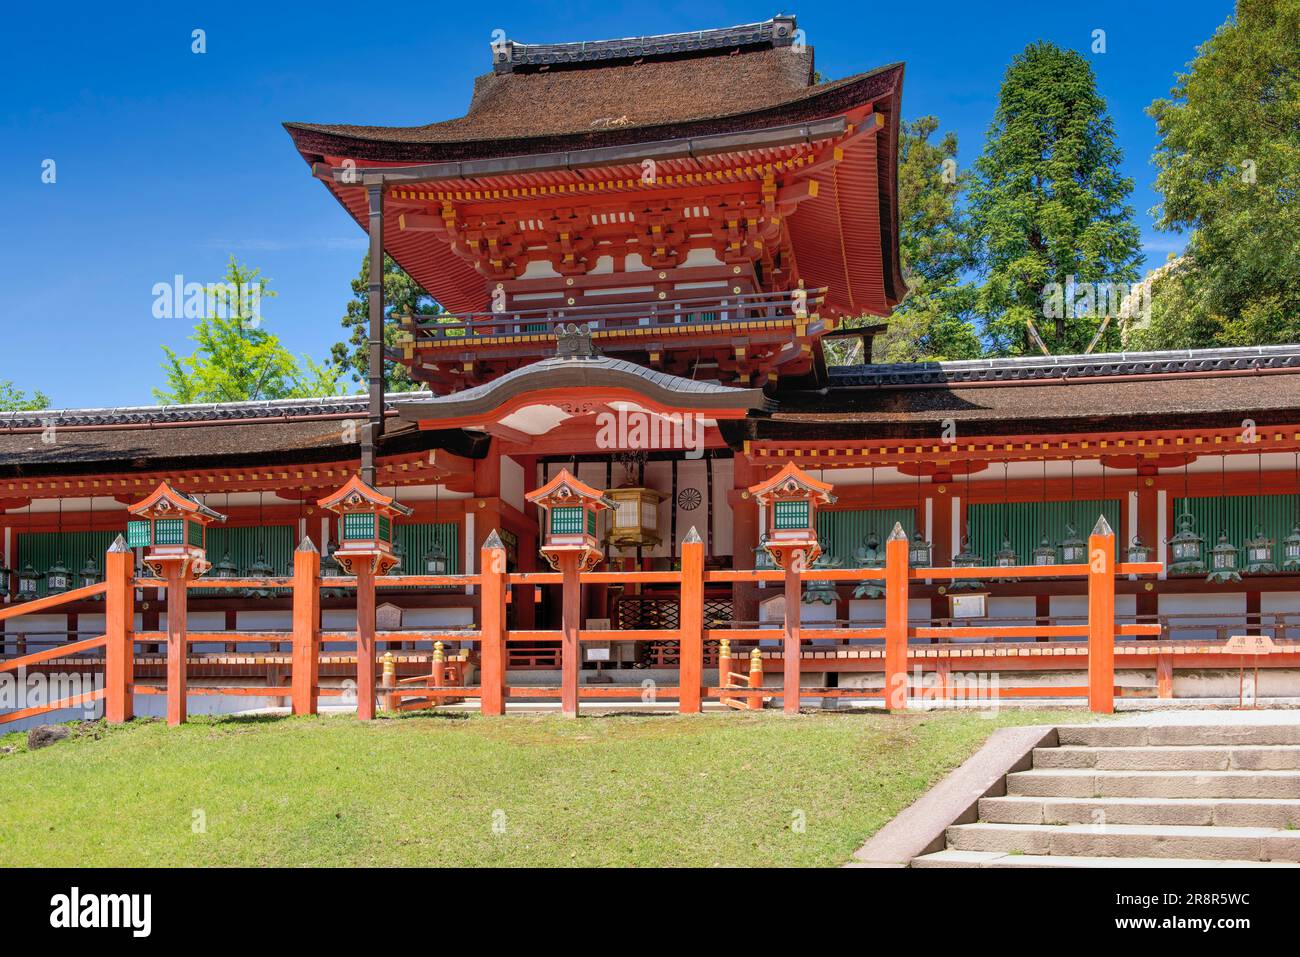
x=1249 y=645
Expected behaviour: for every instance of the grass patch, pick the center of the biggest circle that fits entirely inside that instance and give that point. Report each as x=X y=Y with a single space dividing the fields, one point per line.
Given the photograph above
x=648 y=790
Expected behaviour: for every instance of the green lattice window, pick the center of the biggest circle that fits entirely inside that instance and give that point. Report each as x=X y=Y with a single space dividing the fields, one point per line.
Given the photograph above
x=137 y=534
x=169 y=531
x=1025 y=523
x=385 y=528
x=358 y=526
x=1239 y=515
x=842 y=532
x=591 y=524
x=790 y=514
x=196 y=534
x=566 y=520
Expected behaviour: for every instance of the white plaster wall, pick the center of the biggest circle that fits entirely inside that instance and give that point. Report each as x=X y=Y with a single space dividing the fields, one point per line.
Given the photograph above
x=512 y=483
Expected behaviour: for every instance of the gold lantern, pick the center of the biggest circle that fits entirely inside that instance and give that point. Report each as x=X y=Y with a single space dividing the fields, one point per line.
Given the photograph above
x=635 y=522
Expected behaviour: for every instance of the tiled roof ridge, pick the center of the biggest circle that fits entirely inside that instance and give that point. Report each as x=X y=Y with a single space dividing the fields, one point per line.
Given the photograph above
x=207 y=412
x=1058 y=368
x=509 y=55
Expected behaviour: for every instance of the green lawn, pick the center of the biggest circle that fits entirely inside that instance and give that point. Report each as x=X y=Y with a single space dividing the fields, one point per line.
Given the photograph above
x=716 y=789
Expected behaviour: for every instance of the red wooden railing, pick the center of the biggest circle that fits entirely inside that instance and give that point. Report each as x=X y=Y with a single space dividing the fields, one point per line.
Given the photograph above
x=63 y=650
x=492 y=639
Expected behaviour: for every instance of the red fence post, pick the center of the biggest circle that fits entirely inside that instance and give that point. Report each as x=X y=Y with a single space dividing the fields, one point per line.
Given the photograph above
x=305 y=679
x=1101 y=618
x=178 y=649
x=492 y=628
x=570 y=645
x=119 y=632
x=691 y=624
x=365 y=641
x=896 y=585
x=790 y=647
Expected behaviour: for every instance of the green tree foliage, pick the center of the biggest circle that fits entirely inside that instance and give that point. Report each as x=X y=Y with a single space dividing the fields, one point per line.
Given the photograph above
x=402 y=295
x=934 y=321
x=14 y=400
x=1047 y=202
x=1229 y=171
x=236 y=359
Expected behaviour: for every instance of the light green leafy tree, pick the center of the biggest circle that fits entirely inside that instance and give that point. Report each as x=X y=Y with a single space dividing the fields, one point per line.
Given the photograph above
x=1047 y=202
x=1229 y=172
x=14 y=400
x=235 y=358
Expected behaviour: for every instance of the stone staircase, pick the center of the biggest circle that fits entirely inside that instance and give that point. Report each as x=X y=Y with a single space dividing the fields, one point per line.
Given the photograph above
x=1143 y=796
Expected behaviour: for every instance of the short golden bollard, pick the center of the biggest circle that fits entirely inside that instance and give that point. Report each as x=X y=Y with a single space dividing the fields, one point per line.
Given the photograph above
x=386 y=698
x=756 y=679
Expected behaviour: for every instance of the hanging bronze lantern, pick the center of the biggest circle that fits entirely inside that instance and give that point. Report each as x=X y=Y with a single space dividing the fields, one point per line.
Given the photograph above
x=870 y=555
x=58 y=579
x=89 y=574
x=1006 y=555
x=967 y=558
x=1259 y=553
x=1137 y=552
x=1045 y=553
x=822 y=591
x=27 y=579
x=918 y=552
x=1291 y=550
x=1185 y=548
x=435 y=560
x=1223 y=562
x=1074 y=550
x=224 y=568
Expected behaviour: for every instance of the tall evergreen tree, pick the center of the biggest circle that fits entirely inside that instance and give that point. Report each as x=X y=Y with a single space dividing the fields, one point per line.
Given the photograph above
x=1048 y=203
x=402 y=294
x=1229 y=171
x=933 y=322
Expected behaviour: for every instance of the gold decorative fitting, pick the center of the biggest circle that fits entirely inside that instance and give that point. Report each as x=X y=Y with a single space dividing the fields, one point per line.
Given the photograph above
x=663 y=295
x=663 y=275
x=569 y=300
x=736 y=290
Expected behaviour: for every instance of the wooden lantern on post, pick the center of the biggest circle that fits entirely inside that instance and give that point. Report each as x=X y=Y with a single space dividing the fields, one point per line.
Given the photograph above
x=172 y=529
x=570 y=520
x=791 y=498
x=365 y=527
x=365 y=549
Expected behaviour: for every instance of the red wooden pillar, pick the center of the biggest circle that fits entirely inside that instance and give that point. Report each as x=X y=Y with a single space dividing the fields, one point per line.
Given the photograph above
x=119 y=630
x=177 y=642
x=1101 y=618
x=306 y=628
x=691 y=624
x=492 y=628
x=896 y=587
x=365 y=641
x=570 y=646
x=791 y=646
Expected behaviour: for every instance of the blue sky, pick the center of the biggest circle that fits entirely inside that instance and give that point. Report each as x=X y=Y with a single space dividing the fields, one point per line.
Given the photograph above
x=168 y=162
